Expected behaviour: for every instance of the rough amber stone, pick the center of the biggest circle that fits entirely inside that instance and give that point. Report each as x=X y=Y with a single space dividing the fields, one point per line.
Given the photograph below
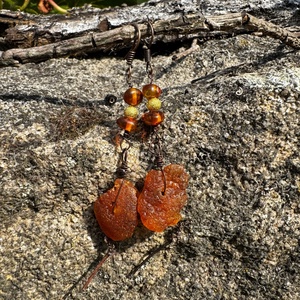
x=116 y=211
x=151 y=91
x=127 y=123
x=160 y=207
x=133 y=96
x=153 y=118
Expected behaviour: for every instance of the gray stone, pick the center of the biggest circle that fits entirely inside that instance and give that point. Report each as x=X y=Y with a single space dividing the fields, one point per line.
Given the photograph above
x=236 y=131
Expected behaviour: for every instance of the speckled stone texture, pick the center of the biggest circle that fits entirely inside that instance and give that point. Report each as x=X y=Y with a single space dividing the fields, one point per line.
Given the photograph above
x=236 y=131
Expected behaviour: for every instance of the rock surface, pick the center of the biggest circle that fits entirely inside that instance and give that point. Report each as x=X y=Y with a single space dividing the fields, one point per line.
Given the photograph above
x=236 y=131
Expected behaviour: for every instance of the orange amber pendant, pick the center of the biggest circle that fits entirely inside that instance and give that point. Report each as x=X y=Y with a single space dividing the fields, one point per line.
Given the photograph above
x=159 y=209
x=133 y=96
x=127 y=123
x=151 y=91
x=153 y=118
x=116 y=211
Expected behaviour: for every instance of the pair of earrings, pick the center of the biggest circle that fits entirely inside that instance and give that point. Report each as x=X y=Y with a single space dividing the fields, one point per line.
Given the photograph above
x=163 y=196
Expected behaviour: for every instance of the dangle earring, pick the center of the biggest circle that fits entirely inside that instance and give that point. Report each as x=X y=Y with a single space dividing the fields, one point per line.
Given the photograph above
x=164 y=192
x=115 y=210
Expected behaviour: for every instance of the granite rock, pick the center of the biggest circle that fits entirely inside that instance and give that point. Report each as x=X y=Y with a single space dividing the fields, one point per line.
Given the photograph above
x=232 y=119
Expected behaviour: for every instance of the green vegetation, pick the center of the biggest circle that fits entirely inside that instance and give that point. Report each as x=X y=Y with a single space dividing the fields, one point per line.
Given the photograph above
x=59 y=6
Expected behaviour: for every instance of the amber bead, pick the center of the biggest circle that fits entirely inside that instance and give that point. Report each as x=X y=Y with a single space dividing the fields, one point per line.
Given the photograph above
x=151 y=91
x=163 y=197
x=153 y=118
x=133 y=96
x=127 y=123
x=116 y=211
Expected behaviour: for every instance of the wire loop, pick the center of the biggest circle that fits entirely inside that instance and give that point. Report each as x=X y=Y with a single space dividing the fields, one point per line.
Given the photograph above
x=130 y=55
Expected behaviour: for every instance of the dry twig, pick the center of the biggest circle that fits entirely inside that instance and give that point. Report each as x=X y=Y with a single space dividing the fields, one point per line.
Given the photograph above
x=190 y=26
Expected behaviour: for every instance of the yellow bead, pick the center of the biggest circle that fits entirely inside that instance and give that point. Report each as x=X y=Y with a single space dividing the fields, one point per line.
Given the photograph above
x=154 y=104
x=131 y=111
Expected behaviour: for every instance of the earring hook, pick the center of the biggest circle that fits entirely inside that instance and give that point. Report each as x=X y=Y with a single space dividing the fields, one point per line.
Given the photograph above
x=147 y=51
x=130 y=55
x=150 y=26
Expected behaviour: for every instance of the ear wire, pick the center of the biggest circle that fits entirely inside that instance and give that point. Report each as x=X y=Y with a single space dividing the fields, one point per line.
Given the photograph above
x=130 y=55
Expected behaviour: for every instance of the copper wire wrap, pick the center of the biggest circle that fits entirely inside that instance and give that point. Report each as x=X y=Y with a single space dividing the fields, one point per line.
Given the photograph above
x=147 y=51
x=130 y=55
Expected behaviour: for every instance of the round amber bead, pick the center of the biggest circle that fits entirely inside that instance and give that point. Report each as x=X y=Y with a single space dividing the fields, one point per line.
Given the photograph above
x=153 y=118
x=151 y=91
x=133 y=96
x=127 y=123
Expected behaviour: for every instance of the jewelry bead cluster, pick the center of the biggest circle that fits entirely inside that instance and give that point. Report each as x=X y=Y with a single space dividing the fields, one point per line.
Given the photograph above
x=134 y=97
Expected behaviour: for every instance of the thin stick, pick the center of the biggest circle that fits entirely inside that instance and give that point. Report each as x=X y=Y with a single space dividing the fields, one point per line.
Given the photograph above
x=102 y=261
x=170 y=29
x=272 y=30
x=165 y=181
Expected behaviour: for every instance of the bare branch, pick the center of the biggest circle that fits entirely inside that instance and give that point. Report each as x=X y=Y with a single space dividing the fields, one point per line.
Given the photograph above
x=271 y=30
x=174 y=29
